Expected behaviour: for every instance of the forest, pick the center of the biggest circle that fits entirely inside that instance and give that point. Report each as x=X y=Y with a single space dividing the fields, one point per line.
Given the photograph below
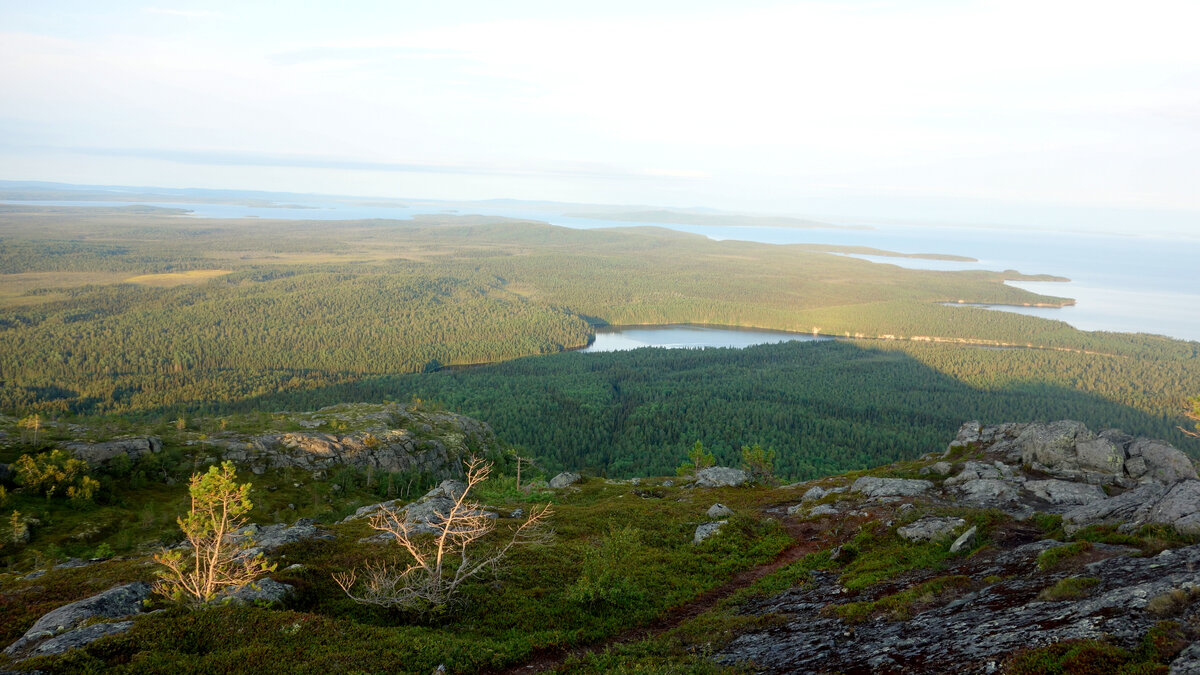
x=148 y=314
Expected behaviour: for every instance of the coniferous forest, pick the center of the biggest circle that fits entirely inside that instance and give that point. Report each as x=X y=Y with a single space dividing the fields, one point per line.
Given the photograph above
x=143 y=314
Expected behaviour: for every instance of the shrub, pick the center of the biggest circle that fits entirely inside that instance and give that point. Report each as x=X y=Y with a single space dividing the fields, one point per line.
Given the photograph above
x=56 y=472
x=698 y=458
x=605 y=578
x=759 y=463
x=219 y=508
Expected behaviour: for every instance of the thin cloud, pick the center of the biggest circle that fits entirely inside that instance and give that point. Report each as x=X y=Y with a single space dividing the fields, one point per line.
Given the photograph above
x=218 y=158
x=187 y=13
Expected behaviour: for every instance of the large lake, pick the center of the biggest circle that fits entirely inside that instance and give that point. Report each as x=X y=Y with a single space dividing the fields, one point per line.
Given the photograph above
x=622 y=338
x=1121 y=283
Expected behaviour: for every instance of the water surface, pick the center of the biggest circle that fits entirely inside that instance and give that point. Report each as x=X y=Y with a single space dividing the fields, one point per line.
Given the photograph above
x=624 y=338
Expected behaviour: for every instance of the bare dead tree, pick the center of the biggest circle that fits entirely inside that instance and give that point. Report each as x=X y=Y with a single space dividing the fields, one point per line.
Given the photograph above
x=442 y=561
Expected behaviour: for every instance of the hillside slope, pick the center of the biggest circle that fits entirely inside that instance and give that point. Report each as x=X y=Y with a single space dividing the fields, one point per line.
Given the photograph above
x=1021 y=548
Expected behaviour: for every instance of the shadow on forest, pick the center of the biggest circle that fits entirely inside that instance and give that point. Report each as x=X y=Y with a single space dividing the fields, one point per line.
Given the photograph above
x=825 y=407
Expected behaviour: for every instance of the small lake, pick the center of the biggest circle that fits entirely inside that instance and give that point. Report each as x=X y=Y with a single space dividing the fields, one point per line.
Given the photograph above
x=624 y=338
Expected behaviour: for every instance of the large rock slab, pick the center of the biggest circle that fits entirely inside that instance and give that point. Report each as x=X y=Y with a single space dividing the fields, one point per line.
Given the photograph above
x=267 y=538
x=1177 y=506
x=264 y=591
x=564 y=479
x=930 y=528
x=970 y=634
x=706 y=530
x=115 y=603
x=80 y=637
x=721 y=476
x=1065 y=492
x=871 y=486
x=100 y=454
x=394 y=440
x=1053 y=445
x=1163 y=462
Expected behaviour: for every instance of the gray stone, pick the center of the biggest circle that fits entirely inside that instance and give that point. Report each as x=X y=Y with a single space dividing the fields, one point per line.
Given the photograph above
x=1052 y=445
x=264 y=591
x=794 y=509
x=449 y=488
x=930 y=528
x=80 y=637
x=1179 y=507
x=100 y=454
x=967 y=436
x=823 y=510
x=719 y=511
x=564 y=479
x=988 y=492
x=970 y=634
x=1132 y=507
x=1188 y=661
x=267 y=538
x=1164 y=464
x=517 y=513
x=706 y=530
x=965 y=541
x=115 y=603
x=1065 y=492
x=1100 y=454
x=974 y=471
x=813 y=493
x=372 y=509
x=940 y=468
x=394 y=439
x=721 y=476
x=872 y=486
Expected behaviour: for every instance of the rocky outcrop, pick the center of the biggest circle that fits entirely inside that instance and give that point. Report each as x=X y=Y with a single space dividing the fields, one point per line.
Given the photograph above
x=100 y=454
x=115 y=603
x=1065 y=492
x=721 y=476
x=423 y=515
x=564 y=479
x=719 y=511
x=80 y=637
x=873 y=487
x=1067 y=449
x=706 y=530
x=974 y=630
x=393 y=439
x=930 y=529
x=267 y=538
x=264 y=591
x=1177 y=506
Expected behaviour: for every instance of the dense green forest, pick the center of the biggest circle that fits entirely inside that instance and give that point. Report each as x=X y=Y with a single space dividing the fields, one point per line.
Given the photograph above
x=147 y=313
x=826 y=407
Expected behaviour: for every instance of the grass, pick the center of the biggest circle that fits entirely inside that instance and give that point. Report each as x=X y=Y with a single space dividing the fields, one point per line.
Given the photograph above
x=169 y=279
x=1053 y=557
x=1158 y=647
x=876 y=557
x=901 y=606
x=640 y=546
x=1070 y=588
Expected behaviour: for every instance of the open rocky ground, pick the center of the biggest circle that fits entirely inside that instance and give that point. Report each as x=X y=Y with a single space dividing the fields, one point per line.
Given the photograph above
x=1021 y=548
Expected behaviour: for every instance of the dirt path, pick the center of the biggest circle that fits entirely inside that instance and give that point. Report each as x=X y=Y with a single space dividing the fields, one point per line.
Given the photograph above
x=807 y=538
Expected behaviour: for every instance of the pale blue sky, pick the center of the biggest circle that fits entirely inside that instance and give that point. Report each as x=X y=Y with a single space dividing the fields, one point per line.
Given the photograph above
x=1023 y=112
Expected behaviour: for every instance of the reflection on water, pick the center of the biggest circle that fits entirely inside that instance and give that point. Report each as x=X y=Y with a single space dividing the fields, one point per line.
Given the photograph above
x=622 y=338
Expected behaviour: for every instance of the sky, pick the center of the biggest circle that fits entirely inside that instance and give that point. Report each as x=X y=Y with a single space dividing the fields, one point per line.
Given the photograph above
x=1020 y=112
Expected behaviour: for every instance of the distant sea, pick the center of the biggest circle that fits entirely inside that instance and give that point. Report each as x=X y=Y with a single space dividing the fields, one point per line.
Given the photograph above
x=1125 y=283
